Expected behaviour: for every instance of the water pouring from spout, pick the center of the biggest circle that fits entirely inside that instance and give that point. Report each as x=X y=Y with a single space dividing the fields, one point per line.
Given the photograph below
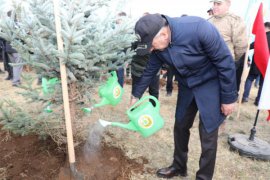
x=104 y=123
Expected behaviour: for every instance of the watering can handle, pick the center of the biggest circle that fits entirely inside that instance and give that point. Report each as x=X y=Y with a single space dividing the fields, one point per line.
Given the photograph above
x=113 y=73
x=143 y=99
x=48 y=84
x=111 y=78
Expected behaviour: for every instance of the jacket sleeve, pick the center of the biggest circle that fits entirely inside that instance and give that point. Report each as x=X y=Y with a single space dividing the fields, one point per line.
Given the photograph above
x=220 y=56
x=239 y=38
x=150 y=71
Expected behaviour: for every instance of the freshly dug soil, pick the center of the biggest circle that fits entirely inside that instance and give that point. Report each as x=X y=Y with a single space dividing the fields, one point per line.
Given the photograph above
x=108 y=163
x=28 y=157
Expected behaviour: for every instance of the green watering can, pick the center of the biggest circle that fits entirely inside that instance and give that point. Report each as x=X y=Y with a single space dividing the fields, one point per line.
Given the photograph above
x=111 y=93
x=48 y=88
x=144 y=117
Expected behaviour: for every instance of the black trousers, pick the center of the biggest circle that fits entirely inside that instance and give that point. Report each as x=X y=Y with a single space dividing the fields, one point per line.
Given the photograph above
x=208 y=145
x=259 y=90
x=239 y=66
x=169 y=85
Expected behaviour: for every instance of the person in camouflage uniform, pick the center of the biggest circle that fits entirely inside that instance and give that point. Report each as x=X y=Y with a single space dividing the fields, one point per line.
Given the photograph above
x=233 y=30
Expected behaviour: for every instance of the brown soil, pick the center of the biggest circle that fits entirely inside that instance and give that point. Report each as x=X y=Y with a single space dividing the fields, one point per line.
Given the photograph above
x=108 y=163
x=29 y=158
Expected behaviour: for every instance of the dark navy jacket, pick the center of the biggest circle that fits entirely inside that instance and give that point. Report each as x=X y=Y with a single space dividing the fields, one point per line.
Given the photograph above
x=204 y=68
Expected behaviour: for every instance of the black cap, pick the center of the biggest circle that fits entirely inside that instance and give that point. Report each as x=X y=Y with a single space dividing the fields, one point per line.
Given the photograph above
x=147 y=28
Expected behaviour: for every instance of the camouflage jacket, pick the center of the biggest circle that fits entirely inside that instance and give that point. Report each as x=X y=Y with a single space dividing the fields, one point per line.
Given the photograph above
x=233 y=30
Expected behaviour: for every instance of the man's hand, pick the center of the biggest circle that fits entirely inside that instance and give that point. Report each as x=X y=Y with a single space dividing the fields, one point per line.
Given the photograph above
x=227 y=109
x=133 y=100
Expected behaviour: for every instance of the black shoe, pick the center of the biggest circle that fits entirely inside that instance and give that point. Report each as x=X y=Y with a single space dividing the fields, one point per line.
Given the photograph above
x=170 y=172
x=9 y=78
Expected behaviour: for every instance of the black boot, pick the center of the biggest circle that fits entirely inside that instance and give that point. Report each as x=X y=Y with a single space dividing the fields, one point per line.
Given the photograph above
x=9 y=77
x=10 y=73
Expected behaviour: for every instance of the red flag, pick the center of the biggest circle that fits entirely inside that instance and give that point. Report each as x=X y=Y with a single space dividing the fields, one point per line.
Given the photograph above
x=261 y=49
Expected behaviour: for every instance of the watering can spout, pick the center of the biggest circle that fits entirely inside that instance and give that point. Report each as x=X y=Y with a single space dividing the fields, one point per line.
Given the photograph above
x=128 y=126
x=103 y=102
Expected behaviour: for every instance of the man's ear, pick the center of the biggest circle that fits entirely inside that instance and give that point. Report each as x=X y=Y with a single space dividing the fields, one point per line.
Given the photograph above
x=165 y=32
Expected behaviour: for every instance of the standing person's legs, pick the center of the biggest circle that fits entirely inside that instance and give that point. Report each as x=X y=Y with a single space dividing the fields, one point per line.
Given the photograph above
x=154 y=87
x=248 y=85
x=169 y=85
x=181 y=139
x=239 y=72
x=128 y=71
x=7 y=67
x=121 y=74
x=1 y=59
x=257 y=81
x=239 y=65
x=208 y=155
x=259 y=91
x=135 y=80
x=17 y=69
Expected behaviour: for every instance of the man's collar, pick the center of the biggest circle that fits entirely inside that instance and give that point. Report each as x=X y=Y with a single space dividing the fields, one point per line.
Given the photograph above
x=221 y=15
